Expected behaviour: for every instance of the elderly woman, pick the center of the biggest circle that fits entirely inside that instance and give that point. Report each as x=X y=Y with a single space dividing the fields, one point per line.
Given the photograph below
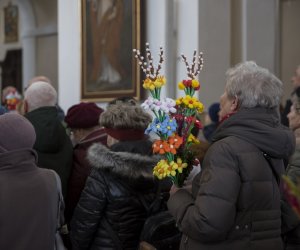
x=235 y=204
x=109 y=214
x=291 y=223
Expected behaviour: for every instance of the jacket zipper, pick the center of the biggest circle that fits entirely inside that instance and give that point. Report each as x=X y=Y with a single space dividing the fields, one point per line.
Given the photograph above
x=185 y=242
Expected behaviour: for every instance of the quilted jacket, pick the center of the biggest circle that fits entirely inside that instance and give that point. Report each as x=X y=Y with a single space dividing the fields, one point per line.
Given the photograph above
x=235 y=203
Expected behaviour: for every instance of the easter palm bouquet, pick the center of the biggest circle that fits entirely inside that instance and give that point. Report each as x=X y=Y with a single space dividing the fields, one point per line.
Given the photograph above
x=174 y=120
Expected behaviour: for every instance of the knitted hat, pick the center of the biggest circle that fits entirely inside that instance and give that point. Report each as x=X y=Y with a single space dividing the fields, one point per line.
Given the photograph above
x=16 y=133
x=125 y=122
x=83 y=115
x=213 y=111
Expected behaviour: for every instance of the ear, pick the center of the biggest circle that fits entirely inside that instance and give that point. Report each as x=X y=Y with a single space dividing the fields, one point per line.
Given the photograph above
x=234 y=104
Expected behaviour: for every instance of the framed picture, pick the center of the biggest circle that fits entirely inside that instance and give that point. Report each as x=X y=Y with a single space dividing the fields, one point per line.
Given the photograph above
x=110 y=31
x=11 y=23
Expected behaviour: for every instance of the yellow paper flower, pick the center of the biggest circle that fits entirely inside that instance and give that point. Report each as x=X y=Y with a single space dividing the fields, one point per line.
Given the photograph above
x=159 y=81
x=195 y=83
x=200 y=107
x=179 y=101
x=193 y=139
x=181 y=86
x=160 y=169
x=148 y=84
x=190 y=102
x=178 y=165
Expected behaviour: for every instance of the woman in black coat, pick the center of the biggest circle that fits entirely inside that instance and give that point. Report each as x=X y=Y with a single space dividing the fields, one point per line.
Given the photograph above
x=110 y=214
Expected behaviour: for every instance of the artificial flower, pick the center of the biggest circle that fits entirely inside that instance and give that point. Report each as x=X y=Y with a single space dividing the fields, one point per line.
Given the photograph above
x=174 y=119
x=148 y=84
x=161 y=147
x=159 y=81
x=175 y=140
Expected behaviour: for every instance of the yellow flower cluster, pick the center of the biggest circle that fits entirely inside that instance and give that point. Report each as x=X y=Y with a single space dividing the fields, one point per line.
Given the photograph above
x=164 y=169
x=189 y=83
x=157 y=83
x=193 y=139
x=191 y=103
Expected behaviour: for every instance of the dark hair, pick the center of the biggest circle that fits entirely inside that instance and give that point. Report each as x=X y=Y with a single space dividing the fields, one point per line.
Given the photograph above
x=124 y=99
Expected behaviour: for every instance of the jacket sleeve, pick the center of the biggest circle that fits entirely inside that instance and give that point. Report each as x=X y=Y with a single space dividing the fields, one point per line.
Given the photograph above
x=89 y=211
x=211 y=214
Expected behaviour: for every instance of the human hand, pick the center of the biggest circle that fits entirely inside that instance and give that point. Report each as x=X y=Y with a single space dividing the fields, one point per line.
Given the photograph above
x=174 y=189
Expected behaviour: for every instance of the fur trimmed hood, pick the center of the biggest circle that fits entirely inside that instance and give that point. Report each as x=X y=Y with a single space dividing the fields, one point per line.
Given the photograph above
x=124 y=164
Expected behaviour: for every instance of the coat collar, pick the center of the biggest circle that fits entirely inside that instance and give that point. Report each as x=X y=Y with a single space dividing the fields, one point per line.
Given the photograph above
x=124 y=164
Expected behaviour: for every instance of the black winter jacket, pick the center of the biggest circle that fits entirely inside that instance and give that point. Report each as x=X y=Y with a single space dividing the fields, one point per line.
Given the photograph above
x=111 y=194
x=53 y=145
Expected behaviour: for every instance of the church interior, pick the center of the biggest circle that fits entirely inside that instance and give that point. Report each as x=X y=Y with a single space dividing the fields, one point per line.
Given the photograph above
x=54 y=39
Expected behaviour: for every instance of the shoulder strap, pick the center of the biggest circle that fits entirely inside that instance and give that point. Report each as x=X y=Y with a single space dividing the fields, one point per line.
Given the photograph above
x=268 y=159
x=155 y=203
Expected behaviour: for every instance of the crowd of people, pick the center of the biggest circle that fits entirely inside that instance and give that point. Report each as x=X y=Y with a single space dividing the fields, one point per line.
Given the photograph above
x=104 y=162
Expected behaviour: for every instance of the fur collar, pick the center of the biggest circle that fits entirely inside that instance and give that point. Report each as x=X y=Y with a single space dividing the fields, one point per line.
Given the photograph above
x=124 y=164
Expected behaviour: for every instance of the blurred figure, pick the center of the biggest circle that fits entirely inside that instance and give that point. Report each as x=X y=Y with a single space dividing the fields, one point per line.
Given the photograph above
x=83 y=121
x=29 y=200
x=109 y=214
x=296 y=85
x=52 y=144
x=11 y=98
x=210 y=128
x=291 y=223
x=235 y=203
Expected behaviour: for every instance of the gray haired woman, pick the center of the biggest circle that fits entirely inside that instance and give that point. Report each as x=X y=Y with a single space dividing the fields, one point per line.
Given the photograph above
x=235 y=201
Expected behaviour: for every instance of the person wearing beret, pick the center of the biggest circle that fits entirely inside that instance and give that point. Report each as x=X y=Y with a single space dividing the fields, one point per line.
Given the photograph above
x=109 y=214
x=83 y=121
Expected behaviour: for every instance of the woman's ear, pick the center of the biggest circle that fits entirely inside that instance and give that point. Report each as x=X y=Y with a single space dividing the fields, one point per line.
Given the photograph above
x=234 y=104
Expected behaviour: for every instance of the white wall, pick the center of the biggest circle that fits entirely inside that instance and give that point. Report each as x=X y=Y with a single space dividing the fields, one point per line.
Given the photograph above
x=259 y=32
x=69 y=51
x=290 y=43
x=214 y=41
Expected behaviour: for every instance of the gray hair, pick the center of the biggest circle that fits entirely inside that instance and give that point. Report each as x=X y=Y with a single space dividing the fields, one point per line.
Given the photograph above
x=125 y=116
x=253 y=86
x=40 y=94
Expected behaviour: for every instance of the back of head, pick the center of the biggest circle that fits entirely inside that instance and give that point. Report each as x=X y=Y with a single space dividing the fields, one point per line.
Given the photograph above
x=40 y=94
x=253 y=85
x=125 y=121
x=39 y=79
x=83 y=115
x=16 y=133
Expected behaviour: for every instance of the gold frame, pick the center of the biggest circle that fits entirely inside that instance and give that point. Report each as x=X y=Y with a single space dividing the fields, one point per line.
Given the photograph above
x=121 y=76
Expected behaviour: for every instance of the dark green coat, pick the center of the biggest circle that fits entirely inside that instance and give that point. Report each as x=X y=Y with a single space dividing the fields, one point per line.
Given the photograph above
x=235 y=203
x=53 y=145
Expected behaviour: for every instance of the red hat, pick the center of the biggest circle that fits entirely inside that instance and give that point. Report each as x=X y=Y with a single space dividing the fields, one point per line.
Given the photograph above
x=83 y=115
